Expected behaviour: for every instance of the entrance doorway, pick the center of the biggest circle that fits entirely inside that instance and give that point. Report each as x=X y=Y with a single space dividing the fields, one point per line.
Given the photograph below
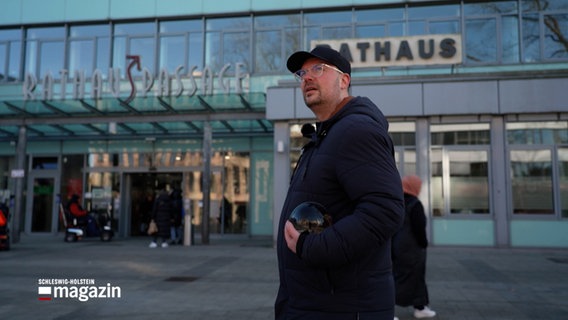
x=143 y=189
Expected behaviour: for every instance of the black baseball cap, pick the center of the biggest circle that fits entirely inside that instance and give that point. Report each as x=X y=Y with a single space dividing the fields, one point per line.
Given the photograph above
x=325 y=53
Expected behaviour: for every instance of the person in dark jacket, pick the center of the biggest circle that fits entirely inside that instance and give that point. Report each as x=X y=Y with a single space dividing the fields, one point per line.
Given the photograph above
x=348 y=166
x=177 y=212
x=409 y=253
x=162 y=214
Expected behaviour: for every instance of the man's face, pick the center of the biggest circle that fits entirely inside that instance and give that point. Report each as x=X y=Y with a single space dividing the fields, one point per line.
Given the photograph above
x=322 y=91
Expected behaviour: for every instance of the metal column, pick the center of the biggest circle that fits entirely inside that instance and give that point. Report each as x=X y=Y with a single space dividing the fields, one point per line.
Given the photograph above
x=206 y=188
x=19 y=184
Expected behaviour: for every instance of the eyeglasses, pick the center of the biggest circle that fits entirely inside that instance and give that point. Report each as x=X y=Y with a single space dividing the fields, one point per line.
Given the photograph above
x=315 y=70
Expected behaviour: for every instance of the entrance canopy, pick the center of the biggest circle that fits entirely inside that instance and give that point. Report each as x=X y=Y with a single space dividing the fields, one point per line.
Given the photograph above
x=143 y=117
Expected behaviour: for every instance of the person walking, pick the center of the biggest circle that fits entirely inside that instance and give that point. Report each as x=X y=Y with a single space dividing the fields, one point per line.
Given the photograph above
x=409 y=253
x=348 y=166
x=162 y=214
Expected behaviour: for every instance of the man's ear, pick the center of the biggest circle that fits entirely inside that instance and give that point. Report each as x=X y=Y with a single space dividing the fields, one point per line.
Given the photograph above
x=345 y=81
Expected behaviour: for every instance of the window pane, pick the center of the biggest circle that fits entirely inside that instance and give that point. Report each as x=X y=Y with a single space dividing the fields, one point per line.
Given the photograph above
x=563 y=180
x=460 y=134
x=469 y=182
x=502 y=7
x=51 y=59
x=531 y=180
x=481 y=42
x=228 y=41
x=437 y=183
x=531 y=5
x=15 y=60
x=236 y=48
x=416 y=28
x=103 y=54
x=213 y=48
x=276 y=38
x=370 y=31
x=196 y=50
x=555 y=36
x=327 y=18
x=89 y=49
x=180 y=26
x=129 y=29
x=268 y=51
x=172 y=52
x=444 y=27
x=428 y=12
x=81 y=56
x=537 y=132
x=336 y=33
x=90 y=31
x=380 y=15
x=46 y=33
x=144 y=47
x=10 y=48
x=510 y=39
x=3 y=58
x=531 y=38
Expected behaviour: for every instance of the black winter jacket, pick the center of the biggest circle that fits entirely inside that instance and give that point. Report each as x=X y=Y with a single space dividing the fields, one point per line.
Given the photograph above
x=162 y=213
x=344 y=272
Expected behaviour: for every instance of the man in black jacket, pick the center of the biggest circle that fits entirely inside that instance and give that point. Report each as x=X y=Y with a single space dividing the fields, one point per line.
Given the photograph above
x=348 y=166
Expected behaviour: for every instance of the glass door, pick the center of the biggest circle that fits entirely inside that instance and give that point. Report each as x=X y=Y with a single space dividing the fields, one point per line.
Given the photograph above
x=42 y=206
x=42 y=202
x=460 y=181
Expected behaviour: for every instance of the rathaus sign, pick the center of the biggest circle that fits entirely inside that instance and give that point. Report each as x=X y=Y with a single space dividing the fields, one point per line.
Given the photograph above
x=438 y=49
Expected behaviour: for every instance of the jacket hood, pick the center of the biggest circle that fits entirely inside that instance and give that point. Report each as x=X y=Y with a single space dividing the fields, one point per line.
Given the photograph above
x=357 y=105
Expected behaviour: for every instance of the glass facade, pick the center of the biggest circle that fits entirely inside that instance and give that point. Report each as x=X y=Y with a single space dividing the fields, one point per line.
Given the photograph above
x=495 y=33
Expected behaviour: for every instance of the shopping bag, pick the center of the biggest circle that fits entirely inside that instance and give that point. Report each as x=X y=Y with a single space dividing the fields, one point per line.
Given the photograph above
x=152 y=228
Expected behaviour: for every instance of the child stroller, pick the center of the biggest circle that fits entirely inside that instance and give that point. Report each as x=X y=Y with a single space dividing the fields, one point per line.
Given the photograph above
x=96 y=224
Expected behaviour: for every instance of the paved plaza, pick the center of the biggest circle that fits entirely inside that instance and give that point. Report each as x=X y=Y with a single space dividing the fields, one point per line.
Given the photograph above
x=236 y=278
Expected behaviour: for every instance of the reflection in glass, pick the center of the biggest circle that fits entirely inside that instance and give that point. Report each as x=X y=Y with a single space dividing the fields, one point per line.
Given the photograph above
x=469 y=182
x=460 y=134
x=144 y=47
x=172 y=53
x=531 y=38
x=436 y=183
x=555 y=35
x=481 y=40
x=563 y=180
x=531 y=180
x=10 y=48
x=81 y=57
x=89 y=48
x=43 y=189
x=546 y=132
x=510 y=39
x=276 y=38
x=228 y=41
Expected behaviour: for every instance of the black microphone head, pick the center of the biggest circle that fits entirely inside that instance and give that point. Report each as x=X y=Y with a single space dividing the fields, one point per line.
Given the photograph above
x=308 y=130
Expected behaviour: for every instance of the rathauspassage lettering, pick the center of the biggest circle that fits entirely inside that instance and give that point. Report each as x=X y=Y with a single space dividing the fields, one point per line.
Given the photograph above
x=76 y=289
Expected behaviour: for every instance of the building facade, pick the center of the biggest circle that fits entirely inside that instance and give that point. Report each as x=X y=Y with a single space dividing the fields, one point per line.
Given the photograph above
x=114 y=99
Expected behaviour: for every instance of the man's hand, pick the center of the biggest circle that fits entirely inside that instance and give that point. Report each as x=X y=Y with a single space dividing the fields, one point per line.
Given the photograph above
x=291 y=235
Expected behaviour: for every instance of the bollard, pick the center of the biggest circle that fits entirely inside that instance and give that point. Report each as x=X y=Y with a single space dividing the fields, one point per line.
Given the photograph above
x=187 y=230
